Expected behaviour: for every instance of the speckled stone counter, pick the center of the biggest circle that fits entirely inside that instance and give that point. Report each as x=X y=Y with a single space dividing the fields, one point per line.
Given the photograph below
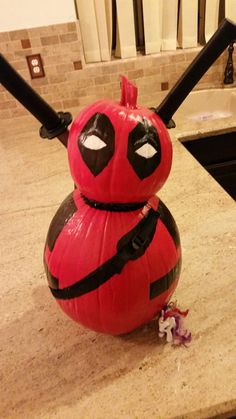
x=51 y=367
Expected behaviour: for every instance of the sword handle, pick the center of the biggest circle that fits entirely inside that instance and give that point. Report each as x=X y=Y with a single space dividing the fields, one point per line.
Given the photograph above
x=54 y=124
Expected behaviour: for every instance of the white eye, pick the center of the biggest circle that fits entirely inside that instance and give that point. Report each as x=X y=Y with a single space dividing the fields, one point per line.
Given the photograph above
x=147 y=151
x=94 y=143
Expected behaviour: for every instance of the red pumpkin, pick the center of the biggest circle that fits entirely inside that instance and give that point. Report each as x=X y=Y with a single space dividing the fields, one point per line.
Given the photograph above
x=116 y=169
x=113 y=254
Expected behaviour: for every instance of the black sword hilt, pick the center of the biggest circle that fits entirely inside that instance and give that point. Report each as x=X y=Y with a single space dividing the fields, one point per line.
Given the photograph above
x=54 y=124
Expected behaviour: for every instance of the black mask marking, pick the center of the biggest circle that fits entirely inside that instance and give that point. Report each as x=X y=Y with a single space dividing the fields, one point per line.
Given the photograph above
x=144 y=149
x=99 y=135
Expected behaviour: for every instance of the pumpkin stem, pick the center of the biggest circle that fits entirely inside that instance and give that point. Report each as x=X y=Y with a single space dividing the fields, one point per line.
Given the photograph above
x=129 y=93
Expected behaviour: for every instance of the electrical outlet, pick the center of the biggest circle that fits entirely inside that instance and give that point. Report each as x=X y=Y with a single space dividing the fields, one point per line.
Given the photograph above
x=35 y=65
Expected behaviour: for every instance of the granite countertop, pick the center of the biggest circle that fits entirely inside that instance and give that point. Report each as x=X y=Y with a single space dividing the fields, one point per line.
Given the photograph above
x=50 y=367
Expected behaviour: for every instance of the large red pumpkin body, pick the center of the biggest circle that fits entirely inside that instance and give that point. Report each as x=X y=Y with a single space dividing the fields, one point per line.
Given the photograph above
x=113 y=254
x=87 y=241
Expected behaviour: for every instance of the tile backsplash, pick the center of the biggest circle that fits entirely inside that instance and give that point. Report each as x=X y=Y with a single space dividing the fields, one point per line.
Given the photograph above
x=69 y=82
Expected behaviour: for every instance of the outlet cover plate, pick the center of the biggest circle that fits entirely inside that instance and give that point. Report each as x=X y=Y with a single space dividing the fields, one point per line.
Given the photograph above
x=35 y=65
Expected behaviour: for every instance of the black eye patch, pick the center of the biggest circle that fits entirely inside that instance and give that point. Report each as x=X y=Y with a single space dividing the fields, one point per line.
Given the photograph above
x=144 y=149
x=96 y=142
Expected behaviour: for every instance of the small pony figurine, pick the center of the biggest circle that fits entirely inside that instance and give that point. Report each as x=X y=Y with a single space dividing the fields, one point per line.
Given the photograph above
x=171 y=325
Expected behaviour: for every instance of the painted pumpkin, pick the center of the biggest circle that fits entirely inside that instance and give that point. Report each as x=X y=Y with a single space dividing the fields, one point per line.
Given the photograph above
x=119 y=152
x=112 y=254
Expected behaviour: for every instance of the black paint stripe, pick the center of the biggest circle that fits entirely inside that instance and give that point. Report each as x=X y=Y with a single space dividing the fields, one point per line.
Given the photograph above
x=163 y=284
x=60 y=219
x=169 y=222
x=90 y=282
x=114 y=207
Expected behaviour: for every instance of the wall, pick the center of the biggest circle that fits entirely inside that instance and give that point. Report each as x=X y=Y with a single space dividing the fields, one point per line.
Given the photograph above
x=21 y=14
x=70 y=83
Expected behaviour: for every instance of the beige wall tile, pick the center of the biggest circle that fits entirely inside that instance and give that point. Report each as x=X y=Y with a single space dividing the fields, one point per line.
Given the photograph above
x=69 y=37
x=22 y=53
x=59 y=29
x=70 y=103
x=4 y=37
x=57 y=105
x=49 y=40
x=8 y=55
x=71 y=27
x=110 y=68
x=20 y=34
x=9 y=104
x=35 y=42
x=3 y=96
x=11 y=46
x=102 y=79
x=7 y=113
x=135 y=74
x=86 y=100
x=92 y=71
x=57 y=78
x=64 y=68
x=19 y=111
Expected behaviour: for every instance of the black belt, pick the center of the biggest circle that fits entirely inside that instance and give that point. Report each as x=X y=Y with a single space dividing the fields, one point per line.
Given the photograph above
x=113 y=207
x=130 y=247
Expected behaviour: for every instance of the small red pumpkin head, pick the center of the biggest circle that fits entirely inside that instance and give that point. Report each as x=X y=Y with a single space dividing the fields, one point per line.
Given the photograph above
x=119 y=152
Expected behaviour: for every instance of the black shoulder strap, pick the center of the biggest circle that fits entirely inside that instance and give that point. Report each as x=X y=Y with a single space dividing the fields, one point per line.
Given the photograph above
x=130 y=247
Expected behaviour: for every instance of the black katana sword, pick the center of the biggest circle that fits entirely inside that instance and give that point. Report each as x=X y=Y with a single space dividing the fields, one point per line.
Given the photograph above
x=53 y=124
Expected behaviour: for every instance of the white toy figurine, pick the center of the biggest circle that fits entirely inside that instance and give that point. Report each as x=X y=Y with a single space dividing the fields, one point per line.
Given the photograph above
x=166 y=326
x=171 y=325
